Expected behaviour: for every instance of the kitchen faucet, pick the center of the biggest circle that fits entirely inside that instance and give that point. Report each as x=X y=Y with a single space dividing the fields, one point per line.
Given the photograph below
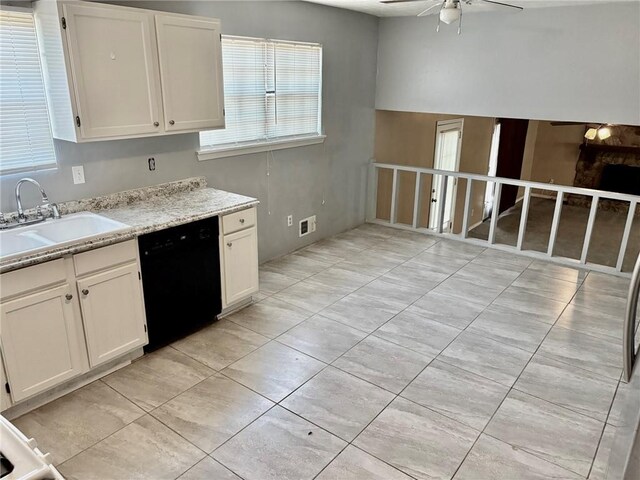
x=52 y=207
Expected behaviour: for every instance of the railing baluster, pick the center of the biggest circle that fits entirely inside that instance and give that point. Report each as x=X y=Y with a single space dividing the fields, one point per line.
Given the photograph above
x=555 y=223
x=495 y=212
x=394 y=193
x=443 y=201
x=444 y=177
x=625 y=236
x=524 y=215
x=593 y=211
x=467 y=209
x=417 y=197
x=372 y=193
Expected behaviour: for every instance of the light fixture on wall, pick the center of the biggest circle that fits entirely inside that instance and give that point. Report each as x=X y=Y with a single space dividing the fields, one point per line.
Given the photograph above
x=602 y=132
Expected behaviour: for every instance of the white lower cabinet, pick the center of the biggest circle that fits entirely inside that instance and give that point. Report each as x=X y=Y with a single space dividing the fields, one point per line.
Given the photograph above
x=61 y=318
x=239 y=262
x=40 y=345
x=112 y=313
x=241 y=265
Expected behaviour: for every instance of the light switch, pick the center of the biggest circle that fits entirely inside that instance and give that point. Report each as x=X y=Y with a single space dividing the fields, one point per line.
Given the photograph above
x=78 y=174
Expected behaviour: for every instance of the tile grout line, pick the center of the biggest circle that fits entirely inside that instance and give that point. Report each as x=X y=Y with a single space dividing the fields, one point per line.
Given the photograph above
x=507 y=395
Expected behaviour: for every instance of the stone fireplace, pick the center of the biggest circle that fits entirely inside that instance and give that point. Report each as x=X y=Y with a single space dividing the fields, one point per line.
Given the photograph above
x=612 y=165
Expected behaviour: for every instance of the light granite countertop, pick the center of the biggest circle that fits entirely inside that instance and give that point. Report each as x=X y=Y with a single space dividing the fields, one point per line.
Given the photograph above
x=144 y=210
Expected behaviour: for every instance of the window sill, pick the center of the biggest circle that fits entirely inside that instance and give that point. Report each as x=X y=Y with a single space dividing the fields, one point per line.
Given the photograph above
x=235 y=150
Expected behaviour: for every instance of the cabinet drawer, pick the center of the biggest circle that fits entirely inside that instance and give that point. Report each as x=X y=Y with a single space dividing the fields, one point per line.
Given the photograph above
x=105 y=257
x=32 y=278
x=239 y=220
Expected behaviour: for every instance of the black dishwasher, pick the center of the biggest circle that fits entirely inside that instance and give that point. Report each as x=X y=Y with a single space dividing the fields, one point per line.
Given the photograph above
x=181 y=280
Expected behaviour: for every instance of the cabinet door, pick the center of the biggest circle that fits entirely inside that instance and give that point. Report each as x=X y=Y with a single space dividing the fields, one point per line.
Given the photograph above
x=113 y=60
x=40 y=347
x=240 y=265
x=113 y=313
x=5 y=400
x=191 y=72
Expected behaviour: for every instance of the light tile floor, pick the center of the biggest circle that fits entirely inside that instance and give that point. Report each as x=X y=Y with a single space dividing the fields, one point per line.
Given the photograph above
x=375 y=354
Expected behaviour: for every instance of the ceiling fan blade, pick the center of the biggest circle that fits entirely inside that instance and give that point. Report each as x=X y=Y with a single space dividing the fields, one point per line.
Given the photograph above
x=564 y=124
x=502 y=4
x=400 y=1
x=423 y=13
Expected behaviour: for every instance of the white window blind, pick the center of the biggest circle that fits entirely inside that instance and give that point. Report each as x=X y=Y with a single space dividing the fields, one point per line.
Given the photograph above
x=25 y=134
x=272 y=91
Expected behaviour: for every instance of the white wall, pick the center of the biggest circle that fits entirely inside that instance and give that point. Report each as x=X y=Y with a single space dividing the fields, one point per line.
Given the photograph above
x=327 y=180
x=577 y=63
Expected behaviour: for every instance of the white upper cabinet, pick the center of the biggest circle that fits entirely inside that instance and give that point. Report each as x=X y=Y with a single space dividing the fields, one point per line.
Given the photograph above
x=113 y=65
x=115 y=72
x=191 y=72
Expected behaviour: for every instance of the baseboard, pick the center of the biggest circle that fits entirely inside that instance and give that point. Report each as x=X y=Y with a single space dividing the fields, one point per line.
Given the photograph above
x=43 y=398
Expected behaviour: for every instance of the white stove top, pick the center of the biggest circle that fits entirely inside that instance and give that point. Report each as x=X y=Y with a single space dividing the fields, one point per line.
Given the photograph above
x=29 y=463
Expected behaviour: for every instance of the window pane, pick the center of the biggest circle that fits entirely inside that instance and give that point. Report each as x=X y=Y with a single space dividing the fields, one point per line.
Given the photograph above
x=297 y=74
x=25 y=134
x=272 y=90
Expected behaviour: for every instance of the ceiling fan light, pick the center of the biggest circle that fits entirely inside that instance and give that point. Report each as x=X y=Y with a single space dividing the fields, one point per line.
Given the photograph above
x=449 y=15
x=604 y=133
x=591 y=134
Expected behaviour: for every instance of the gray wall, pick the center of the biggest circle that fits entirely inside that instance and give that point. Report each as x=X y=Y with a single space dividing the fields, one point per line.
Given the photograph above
x=327 y=179
x=562 y=63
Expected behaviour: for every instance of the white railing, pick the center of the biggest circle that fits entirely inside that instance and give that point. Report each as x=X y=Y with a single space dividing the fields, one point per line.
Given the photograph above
x=443 y=176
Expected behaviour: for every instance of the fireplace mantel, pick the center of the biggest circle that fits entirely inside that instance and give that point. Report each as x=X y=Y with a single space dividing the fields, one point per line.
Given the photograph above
x=599 y=147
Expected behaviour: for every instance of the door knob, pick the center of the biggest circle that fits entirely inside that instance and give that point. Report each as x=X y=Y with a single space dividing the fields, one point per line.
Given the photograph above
x=85 y=291
x=242 y=220
x=156 y=124
x=229 y=244
x=68 y=296
x=171 y=122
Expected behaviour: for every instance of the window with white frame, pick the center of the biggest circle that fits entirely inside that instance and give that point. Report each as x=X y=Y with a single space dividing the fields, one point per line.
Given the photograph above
x=272 y=93
x=25 y=133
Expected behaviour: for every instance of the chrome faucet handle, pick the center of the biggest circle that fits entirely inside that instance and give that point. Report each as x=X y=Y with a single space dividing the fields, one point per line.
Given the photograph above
x=3 y=221
x=55 y=212
x=39 y=212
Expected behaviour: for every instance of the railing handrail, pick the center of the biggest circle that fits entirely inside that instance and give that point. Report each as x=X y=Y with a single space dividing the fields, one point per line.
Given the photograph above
x=512 y=181
x=628 y=341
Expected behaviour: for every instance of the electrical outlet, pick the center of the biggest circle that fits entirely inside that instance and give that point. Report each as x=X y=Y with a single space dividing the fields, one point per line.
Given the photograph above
x=289 y=220
x=78 y=174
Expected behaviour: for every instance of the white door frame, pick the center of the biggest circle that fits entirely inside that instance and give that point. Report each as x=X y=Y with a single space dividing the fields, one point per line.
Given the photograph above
x=444 y=126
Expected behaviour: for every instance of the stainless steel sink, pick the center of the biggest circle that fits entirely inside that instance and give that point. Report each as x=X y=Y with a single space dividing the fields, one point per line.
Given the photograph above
x=55 y=233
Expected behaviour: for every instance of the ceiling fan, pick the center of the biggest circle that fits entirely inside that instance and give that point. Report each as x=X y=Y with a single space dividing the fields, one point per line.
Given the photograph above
x=451 y=10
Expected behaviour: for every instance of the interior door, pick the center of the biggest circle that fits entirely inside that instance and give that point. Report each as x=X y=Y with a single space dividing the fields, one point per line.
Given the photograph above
x=192 y=85
x=40 y=348
x=513 y=137
x=112 y=327
x=448 y=146
x=113 y=60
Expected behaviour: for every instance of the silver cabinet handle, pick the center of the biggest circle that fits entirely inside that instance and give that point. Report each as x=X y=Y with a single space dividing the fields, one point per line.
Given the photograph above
x=628 y=341
x=171 y=122
x=68 y=296
x=85 y=291
x=156 y=124
x=229 y=244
